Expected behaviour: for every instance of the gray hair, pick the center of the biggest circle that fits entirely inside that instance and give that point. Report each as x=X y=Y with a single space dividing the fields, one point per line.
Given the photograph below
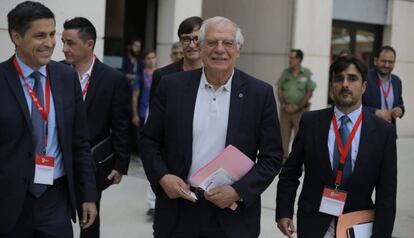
x=176 y=45
x=218 y=20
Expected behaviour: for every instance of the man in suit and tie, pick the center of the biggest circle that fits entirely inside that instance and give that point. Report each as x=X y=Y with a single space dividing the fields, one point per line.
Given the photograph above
x=194 y=115
x=354 y=160
x=104 y=90
x=188 y=35
x=384 y=90
x=45 y=153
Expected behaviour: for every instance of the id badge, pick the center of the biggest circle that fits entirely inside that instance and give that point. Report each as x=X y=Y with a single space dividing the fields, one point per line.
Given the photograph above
x=44 y=169
x=333 y=201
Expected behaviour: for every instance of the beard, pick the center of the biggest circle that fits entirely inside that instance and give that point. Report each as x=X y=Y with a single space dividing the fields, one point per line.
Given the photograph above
x=133 y=53
x=342 y=101
x=384 y=71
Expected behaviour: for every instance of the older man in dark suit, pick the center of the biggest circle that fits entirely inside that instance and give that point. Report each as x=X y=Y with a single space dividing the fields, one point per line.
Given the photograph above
x=107 y=101
x=194 y=115
x=357 y=158
x=45 y=154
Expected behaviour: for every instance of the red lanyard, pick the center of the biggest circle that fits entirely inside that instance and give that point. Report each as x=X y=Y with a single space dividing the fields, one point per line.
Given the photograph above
x=385 y=93
x=43 y=113
x=344 y=152
x=85 y=89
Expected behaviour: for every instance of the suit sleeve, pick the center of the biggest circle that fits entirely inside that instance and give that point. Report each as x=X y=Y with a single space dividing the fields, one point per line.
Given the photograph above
x=152 y=138
x=386 y=189
x=400 y=102
x=84 y=165
x=289 y=177
x=269 y=159
x=120 y=123
x=155 y=81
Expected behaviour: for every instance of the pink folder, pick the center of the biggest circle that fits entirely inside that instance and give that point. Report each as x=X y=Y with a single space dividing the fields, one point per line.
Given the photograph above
x=229 y=166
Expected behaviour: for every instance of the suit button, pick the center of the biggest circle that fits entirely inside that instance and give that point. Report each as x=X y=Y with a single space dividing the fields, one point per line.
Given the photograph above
x=25 y=180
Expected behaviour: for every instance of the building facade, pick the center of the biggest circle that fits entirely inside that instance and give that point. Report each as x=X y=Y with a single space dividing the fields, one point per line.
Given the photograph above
x=321 y=28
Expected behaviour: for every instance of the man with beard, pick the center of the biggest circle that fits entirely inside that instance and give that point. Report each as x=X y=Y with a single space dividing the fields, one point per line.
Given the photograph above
x=370 y=156
x=384 y=91
x=132 y=65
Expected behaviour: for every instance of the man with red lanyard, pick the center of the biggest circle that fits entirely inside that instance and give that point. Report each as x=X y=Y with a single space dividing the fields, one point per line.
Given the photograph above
x=346 y=152
x=106 y=102
x=384 y=91
x=44 y=151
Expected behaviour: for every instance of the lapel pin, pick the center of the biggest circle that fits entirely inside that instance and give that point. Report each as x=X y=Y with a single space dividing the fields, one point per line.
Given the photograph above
x=241 y=95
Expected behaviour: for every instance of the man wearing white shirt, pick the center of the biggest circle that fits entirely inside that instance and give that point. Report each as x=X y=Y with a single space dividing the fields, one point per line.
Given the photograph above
x=194 y=115
x=107 y=103
x=344 y=150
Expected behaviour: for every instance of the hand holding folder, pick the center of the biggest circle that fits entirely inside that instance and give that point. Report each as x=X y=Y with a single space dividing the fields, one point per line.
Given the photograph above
x=227 y=168
x=355 y=224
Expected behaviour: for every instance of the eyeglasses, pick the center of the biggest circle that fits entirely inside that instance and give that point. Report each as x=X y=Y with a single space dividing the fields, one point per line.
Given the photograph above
x=228 y=44
x=186 y=40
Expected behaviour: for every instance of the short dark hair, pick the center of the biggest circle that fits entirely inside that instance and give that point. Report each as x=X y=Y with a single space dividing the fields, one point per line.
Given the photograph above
x=132 y=40
x=147 y=52
x=344 y=62
x=21 y=17
x=187 y=26
x=85 y=28
x=384 y=48
x=298 y=52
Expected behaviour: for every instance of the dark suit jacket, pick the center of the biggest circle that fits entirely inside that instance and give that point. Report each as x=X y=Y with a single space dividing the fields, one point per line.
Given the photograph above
x=167 y=146
x=375 y=168
x=161 y=72
x=107 y=105
x=371 y=99
x=16 y=145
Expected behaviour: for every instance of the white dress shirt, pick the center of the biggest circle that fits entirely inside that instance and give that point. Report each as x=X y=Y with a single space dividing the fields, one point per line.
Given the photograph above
x=211 y=115
x=353 y=116
x=84 y=78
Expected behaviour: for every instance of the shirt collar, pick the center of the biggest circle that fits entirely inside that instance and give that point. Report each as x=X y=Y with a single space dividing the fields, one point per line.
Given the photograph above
x=88 y=72
x=353 y=115
x=386 y=81
x=205 y=84
x=27 y=70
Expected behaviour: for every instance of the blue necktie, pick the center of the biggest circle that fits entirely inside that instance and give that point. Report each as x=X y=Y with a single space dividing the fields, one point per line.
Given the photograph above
x=38 y=129
x=344 y=133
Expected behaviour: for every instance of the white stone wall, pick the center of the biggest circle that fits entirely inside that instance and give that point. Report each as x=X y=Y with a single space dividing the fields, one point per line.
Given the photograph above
x=63 y=10
x=399 y=34
x=312 y=34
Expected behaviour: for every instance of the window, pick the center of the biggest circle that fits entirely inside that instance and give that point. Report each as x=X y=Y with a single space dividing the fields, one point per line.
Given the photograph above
x=360 y=39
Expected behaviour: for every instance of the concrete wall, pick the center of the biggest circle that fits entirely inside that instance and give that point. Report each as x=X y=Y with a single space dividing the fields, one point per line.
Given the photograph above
x=312 y=33
x=63 y=10
x=399 y=33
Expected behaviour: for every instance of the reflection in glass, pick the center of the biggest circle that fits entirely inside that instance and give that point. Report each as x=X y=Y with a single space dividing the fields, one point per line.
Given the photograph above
x=341 y=40
x=364 y=45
